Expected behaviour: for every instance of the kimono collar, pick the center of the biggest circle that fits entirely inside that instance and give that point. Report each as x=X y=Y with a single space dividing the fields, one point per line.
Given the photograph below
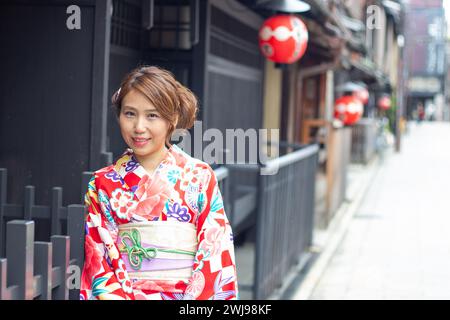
x=132 y=171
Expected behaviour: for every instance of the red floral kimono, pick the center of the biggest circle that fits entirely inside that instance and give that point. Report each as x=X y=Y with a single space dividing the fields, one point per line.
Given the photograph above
x=182 y=190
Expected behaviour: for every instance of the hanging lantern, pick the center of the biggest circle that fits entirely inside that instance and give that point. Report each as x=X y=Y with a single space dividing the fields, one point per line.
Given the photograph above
x=286 y=6
x=283 y=38
x=384 y=103
x=363 y=95
x=358 y=89
x=348 y=109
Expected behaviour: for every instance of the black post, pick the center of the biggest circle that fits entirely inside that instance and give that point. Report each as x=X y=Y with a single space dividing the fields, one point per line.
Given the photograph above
x=19 y=254
x=259 y=241
x=43 y=268
x=75 y=230
x=3 y=279
x=61 y=247
x=400 y=83
x=85 y=178
x=3 y=180
x=28 y=203
x=55 y=209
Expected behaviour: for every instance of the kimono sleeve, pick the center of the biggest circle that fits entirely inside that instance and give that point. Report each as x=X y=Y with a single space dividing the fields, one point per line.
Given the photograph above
x=214 y=274
x=103 y=276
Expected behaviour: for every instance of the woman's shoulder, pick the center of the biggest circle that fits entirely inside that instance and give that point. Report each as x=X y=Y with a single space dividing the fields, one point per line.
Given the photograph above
x=189 y=161
x=99 y=175
x=110 y=172
x=112 y=168
x=196 y=171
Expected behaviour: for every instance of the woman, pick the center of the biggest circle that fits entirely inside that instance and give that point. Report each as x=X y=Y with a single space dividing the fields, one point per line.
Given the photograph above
x=156 y=226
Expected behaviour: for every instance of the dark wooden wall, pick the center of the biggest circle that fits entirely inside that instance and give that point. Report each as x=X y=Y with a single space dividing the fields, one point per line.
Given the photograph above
x=234 y=83
x=48 y=96
x=56 y=84
x=234 y=75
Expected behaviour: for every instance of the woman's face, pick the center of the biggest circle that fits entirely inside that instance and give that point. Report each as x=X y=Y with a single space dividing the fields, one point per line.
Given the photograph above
x=141 y=125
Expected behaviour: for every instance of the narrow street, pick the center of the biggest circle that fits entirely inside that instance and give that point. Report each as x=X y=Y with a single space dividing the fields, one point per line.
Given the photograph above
x=397 y=245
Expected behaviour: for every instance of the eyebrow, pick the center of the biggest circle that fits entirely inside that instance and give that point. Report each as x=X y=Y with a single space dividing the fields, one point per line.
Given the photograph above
x=132 y=108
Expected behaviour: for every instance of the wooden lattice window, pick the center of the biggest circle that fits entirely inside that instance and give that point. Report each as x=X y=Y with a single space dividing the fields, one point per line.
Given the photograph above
x=172 y=25
x=126 y=23
x=234 y=40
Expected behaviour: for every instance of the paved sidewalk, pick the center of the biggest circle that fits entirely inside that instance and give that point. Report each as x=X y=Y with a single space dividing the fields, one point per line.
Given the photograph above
x=397 y=241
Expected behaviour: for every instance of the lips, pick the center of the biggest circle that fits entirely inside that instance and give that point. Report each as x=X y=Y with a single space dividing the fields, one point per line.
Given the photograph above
x=140 y=142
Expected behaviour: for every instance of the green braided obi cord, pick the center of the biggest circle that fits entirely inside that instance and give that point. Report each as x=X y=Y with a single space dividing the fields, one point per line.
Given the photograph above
x=158 y=250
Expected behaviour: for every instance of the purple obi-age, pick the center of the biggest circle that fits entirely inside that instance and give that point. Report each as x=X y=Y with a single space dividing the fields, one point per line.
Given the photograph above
x=158 y=250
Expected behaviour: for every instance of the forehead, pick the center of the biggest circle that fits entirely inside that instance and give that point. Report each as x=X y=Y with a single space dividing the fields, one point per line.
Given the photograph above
x=137 y=101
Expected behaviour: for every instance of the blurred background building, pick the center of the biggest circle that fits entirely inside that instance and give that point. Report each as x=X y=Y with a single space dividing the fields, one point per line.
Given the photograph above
x=426 y=42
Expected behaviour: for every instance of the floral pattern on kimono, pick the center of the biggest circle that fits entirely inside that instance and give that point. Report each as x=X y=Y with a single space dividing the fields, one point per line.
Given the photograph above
x=183 y=190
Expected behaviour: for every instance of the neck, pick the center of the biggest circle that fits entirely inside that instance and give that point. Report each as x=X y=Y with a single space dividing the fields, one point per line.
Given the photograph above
x=151 y=162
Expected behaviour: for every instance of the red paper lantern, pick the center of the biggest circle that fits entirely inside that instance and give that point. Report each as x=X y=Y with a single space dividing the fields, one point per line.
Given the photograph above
x=384 y=103
x=348 y=109
x=283 y=38
x=363 y=95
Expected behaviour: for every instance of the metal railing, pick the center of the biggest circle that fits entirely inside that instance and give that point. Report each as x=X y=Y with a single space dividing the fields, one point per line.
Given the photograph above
x=285 y=218
x=284 y=205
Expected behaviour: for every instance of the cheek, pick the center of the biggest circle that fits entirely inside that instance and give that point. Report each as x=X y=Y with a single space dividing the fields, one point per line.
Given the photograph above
x=161 y=129
x=124 y=127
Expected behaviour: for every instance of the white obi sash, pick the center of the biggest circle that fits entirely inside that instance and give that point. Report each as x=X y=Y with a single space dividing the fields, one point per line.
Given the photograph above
x=158 y=250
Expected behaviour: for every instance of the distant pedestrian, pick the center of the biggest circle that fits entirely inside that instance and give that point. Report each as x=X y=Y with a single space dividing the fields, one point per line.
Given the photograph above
x=420 y=113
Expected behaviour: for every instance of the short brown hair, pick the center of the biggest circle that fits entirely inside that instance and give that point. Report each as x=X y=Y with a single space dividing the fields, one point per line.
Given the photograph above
x=172 y=100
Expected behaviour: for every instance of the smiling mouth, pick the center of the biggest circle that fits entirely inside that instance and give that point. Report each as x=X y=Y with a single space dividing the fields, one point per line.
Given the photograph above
x=140 y=142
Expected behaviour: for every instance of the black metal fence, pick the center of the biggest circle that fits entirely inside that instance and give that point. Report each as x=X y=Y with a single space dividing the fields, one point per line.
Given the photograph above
x=37 y=269
x=284 y=206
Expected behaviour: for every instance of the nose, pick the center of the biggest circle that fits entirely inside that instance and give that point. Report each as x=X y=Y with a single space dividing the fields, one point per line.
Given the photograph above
x=140 y=125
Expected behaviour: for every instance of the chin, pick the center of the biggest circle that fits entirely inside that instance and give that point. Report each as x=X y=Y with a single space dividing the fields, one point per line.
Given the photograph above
x=143 y=152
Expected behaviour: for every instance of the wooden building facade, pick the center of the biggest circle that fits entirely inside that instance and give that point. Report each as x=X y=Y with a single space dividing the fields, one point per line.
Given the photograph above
x=55 y=109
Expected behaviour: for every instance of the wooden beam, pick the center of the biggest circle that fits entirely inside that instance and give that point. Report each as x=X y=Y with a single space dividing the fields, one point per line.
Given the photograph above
x=100 y=72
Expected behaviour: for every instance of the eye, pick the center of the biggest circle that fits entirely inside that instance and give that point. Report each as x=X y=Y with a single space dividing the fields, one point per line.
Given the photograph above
x=128 y=114
x=153 y=116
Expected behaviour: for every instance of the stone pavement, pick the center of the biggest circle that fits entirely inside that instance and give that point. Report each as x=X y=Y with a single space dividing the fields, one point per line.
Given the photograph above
x=396 y=243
